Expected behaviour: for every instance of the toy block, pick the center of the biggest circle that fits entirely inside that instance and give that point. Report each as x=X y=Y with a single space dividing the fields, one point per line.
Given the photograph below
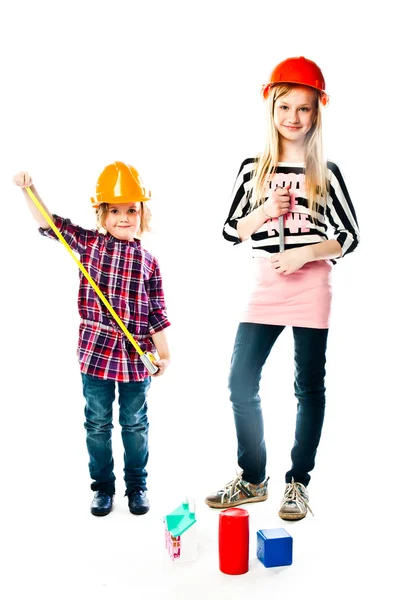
x=233 y=541
x=274 y=547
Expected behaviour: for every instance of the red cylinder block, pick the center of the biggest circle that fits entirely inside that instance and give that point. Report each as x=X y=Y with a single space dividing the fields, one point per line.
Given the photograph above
x=233 y=541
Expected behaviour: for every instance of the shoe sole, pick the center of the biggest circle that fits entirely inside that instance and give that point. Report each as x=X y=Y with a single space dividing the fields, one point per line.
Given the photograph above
x=237 y=503
x=139 y=512
x=289 y=517
x=100 y=514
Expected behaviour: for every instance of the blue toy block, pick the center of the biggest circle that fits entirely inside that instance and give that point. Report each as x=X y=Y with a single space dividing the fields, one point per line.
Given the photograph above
x=274 y=547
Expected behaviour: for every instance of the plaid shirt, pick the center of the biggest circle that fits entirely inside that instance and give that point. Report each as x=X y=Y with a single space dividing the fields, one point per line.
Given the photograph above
x=130 y=279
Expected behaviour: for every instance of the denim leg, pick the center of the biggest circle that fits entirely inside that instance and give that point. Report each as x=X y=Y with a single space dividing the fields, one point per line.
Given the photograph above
x=252 y=346
x=309 y=386
x=99 y=395
x=135 y=427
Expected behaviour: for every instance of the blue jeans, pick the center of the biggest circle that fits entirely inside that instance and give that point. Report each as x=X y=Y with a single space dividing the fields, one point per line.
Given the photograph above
x=252 y=347
x=99 y=395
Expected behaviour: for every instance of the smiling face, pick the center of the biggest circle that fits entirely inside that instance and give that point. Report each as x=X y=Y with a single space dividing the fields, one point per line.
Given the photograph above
x=123 y=220
x=294 y=114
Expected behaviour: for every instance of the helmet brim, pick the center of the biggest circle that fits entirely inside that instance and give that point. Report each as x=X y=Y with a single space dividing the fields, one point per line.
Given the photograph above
x=118 y=200
x=265 y=90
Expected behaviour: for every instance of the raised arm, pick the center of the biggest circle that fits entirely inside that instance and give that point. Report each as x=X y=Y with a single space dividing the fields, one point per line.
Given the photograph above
x=24 y=180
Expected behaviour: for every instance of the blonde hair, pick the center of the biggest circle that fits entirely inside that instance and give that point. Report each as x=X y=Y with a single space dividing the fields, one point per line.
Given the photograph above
x=145 y=216
x=315 y=164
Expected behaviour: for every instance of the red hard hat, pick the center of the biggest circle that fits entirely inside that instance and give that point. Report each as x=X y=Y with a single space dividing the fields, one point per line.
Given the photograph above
x=298 y=70
x=119 y=183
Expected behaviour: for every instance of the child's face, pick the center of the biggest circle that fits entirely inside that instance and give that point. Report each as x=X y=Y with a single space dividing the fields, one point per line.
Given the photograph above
x=123 y=220
x=294 y=114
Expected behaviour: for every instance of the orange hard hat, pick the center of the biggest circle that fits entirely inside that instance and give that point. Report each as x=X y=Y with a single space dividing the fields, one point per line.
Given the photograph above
x=119 y=183
x=298 y=70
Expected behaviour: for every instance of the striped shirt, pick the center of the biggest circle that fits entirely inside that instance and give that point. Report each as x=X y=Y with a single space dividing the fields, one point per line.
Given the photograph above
x=130 y=279
x=300 y=229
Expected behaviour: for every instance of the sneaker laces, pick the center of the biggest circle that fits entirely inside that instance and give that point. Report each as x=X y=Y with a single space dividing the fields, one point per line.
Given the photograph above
x=231 y=489
x=235 y=487
x=293 y=494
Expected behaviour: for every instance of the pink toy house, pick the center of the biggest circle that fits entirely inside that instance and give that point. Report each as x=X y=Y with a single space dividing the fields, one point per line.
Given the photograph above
x=181 y=533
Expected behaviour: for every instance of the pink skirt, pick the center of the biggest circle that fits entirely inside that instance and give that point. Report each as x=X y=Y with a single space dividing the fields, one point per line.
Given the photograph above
x=302 y=299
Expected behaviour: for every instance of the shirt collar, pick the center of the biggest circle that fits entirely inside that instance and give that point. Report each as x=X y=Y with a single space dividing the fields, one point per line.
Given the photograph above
x=110 y=239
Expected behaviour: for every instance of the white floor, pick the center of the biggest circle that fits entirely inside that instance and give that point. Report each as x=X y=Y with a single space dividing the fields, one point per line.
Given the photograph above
x=53 y=548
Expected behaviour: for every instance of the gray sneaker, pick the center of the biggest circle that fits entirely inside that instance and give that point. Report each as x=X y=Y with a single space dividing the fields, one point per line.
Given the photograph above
x=295 y=502
x=238 y=491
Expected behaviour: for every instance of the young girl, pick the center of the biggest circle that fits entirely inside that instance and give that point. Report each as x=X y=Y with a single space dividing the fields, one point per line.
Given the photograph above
x=130 y=279
x=290 y=179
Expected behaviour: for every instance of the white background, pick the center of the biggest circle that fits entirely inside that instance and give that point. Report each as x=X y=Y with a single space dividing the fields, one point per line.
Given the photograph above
x=173 y=88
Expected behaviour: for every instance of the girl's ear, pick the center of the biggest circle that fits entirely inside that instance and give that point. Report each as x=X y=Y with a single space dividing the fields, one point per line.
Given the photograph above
x=324 y=99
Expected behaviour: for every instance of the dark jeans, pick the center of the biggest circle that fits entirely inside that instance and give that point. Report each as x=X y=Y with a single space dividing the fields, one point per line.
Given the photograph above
x=99 y=395
x=252 y=347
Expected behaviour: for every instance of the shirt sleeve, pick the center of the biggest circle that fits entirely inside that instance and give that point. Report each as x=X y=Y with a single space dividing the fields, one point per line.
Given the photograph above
x=158 y=319
x=76 y=237
x=340 y=211
x=240 y=202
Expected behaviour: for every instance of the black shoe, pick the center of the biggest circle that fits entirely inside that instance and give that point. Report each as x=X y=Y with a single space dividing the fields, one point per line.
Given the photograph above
x=138 y=502
x=101 y=504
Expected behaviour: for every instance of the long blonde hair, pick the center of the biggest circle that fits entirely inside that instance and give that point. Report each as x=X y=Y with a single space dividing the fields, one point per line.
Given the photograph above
x=315 y=164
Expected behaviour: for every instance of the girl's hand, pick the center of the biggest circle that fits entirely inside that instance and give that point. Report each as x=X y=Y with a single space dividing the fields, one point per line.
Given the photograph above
x=278 y=203
x=162 y=364
x=292 y=260
x=22 y=179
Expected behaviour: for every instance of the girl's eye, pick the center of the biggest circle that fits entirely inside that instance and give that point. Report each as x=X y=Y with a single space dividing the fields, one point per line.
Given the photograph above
x=305 y=108
x=114 y=211
x=283 y=107
x=132 y=211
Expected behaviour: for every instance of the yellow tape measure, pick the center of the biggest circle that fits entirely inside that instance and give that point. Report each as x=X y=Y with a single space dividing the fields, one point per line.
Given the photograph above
x=146 y=357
